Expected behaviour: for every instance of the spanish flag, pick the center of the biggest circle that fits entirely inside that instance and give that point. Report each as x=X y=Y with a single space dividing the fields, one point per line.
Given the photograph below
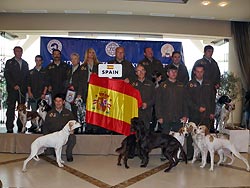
x=111 y=104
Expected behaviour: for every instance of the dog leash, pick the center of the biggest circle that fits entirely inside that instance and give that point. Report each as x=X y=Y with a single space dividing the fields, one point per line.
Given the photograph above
x=20 y=95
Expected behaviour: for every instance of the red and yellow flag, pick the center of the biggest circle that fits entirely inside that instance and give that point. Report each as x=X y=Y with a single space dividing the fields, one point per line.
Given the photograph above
x=111 y=104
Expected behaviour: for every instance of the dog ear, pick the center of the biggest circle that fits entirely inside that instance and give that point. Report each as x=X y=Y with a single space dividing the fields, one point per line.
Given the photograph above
x=181 y=131
x=206 y=131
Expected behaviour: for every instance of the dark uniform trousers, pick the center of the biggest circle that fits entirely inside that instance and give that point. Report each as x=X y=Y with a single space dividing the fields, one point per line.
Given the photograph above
x=15 y=76
x=55 y=121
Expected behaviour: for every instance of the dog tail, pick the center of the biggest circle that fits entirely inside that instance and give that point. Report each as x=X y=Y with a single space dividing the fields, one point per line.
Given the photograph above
x=183 y=153
x=118 y=150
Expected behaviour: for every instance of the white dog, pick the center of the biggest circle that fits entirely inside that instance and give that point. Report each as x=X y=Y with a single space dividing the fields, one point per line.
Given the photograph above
x=214 y=144
x=54 y=140
x=180 y=136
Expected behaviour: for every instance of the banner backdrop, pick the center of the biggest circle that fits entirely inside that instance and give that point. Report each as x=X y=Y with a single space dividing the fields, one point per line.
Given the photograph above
x=105 y=49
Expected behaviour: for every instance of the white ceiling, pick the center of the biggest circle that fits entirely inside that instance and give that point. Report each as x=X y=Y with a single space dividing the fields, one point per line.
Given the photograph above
x=236 y=10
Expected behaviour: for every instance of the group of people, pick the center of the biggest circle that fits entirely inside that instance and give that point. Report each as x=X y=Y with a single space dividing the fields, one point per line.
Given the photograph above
x=169 y=97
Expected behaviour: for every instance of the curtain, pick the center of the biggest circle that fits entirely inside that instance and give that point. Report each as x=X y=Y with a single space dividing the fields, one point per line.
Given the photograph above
x=241 y=36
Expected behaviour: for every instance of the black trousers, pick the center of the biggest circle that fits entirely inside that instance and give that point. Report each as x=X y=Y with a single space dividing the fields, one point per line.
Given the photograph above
x=12 y=98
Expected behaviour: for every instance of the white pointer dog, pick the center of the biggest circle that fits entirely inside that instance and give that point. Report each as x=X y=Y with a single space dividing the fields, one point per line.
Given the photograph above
x=54 y=140
x=214 y=144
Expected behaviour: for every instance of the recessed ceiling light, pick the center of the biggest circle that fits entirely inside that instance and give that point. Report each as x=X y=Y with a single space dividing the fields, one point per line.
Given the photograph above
x=223 y=4
x=34 y=11
x=206 y=3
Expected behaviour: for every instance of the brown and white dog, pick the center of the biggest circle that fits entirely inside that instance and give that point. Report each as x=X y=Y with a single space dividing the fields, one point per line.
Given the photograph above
x=200 y=147
x=180 y=136
x=25 y=116
x=214 y=144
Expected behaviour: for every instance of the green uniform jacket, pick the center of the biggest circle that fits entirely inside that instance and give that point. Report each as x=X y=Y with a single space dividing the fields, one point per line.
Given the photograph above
x=57 y=77
x=147 y=91
x=170 y=102
x=55 y=121
x=128 y=70
x=152 y=67
x=212 y=71
x=200 y=96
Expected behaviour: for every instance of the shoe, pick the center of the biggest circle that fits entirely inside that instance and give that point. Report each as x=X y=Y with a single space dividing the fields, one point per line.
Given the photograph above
x=69 y=159
x=9 y=131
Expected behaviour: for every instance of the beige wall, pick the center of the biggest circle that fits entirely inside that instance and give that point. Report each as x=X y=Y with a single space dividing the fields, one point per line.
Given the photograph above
x=115 y=23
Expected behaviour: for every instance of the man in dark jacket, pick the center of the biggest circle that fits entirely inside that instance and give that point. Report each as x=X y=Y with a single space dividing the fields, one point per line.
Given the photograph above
x=128 y=73
x=147 y=91
x=16 y=74
x=170 y=105
x=182 y=75
x=37 y=83
x=200 y=98
x=57 y=74
x=151 y=64
x=56 y=119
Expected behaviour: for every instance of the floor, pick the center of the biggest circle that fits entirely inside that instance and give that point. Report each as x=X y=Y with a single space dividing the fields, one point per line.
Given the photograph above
x=101 y=171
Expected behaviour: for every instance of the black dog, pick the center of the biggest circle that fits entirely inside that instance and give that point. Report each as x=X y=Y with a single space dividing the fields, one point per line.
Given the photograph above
x=127 y=149
x=148 y=141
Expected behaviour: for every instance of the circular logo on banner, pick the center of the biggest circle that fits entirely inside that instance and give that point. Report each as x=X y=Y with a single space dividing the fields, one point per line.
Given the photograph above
x=54 y=44
x=167 y=50
x=110 y=48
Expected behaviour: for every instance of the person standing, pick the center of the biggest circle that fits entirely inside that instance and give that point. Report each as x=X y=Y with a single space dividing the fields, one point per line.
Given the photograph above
x=37 y=83
x=89 y=66
x=57 y=74
x=170 y=105
x=151 y=64
x=200 y=97
x=128 y=73
x=212 y=71
x=56 y=119
x=16 y=74
x=182 y=75
x=75 y=80
x=200 y=102
x=147 y=91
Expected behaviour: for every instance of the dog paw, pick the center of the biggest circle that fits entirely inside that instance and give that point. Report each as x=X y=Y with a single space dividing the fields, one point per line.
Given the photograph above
x=24 y=170
x=248 y=169
x=143 y=165
x=61 y=165
x=126 y=167
x=211 y=169
x=202 y=166
x=62 y=161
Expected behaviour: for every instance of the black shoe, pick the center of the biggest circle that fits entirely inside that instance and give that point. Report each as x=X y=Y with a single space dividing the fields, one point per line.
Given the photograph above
x=10 y=131
x=69 y=159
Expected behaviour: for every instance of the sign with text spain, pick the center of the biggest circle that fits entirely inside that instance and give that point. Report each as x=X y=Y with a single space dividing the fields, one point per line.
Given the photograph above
x=111 y=104
x=110 y=70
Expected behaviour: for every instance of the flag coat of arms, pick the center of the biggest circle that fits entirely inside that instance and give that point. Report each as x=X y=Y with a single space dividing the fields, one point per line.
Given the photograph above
x=111 y=104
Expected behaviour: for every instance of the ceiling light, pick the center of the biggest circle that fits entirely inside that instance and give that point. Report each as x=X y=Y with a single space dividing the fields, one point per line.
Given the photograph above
x=223 y=4
x=205 y=3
